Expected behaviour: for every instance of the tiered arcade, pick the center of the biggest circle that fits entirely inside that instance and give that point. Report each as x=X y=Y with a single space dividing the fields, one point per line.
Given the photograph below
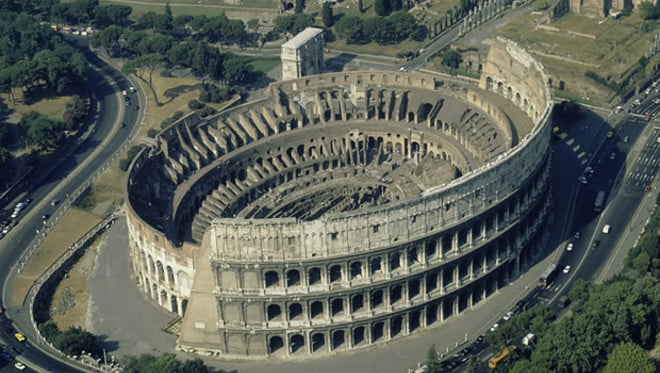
x=345 y=210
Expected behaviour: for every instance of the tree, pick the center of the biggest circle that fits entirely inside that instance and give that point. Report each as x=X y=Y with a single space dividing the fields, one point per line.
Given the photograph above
x=403 y=24
x=113 y=14
x=397 y=5
x=350 y=28
x=382 y=7
x=472 y=364
x=41 y=130
x=361 y=6
x=76 y=340
x=166 y=363
x=49 y=330
x=452 y=58
x=194 y=366
x=293 y=23
x=146 y=64
x=648 y=10
x=76 y=111
x=108 y=39
x=327 y=16
x=300 y=6
x=236 y=68
x=628 y=357
x=432 y=362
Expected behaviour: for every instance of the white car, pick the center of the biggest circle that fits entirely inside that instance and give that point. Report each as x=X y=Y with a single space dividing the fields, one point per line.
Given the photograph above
x=606 y=228
x=508 y=316
x=567 y=269
x=583 y=180
x=19 y=365
x=569 y=247
x=494 y=327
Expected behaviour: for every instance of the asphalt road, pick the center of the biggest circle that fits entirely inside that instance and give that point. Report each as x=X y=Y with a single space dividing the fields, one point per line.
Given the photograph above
x=105 y=136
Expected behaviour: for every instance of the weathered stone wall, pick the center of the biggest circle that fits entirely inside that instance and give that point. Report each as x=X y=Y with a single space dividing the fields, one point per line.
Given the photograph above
x=280 y=287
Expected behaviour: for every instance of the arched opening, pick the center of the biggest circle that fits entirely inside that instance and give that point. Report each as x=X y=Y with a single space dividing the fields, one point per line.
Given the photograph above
x=357 y=303
x=395 y=326
x=395 y=261
x=314 y=276
x=173 y=304
x=297 y=343
x=274 y=313
x=293 y=278
x=376 y=299
x=377 y=331
x=335 y=274
x=337 y=307
x=413 y=321
x=338 y=339
x=170 y=275
x=431 y=314
x=161 y=273
x=152 y=267
x=413 y=257
x=318 y=341
x=395 y=294
x=375 y=266
x=295 y=311
x=489 y=83
x=356 y=270
x=163 y=298
x=316 y=309
x=413 y=288
x=272 y=279
x=275 y=343
x=358 y=335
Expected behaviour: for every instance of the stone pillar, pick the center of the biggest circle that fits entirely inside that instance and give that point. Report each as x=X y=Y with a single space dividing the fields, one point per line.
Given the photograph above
x=441 y=281
x=441 y=311
x=471 y=269
x=454 y=242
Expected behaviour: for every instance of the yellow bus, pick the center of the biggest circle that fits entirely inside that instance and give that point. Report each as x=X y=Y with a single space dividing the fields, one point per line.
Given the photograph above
x=497 y=358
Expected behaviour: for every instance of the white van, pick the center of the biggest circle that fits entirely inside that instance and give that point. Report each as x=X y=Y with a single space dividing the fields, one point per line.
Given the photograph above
x=606 y=228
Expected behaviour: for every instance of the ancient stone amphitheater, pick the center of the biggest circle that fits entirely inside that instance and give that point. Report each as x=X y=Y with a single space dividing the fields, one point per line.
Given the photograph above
x=345 y=210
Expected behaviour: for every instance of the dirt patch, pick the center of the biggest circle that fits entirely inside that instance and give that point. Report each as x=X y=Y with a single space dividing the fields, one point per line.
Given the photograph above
x=71 y=298
x=73 y=225
x=106 y=193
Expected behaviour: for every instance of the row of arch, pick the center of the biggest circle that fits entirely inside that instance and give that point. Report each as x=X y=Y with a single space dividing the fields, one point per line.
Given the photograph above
x=510 y=92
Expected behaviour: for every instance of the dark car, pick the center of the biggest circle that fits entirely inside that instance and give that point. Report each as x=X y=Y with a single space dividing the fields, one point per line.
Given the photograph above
x=596 y=243
x=577 y=235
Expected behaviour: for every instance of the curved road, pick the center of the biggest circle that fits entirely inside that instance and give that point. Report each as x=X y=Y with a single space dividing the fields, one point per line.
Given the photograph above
x=105 y=135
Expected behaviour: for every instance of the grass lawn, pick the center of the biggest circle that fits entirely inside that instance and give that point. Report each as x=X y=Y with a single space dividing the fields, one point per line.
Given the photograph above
x=208 y=8
x=609 y=48
x=265 y=64
x=375 y=48
x=49 y=104
x=68 y=230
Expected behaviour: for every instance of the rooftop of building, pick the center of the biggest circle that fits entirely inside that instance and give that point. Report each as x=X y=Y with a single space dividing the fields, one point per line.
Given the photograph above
x=303 y=37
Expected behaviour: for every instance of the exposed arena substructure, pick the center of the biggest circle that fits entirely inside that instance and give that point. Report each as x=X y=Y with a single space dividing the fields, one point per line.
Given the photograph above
x=345 y=210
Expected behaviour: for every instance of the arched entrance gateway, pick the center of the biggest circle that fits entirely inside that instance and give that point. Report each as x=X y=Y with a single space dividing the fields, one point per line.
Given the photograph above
x=335 y=215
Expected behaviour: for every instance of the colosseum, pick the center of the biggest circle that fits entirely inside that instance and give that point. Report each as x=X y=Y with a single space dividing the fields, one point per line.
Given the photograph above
x=344 y=210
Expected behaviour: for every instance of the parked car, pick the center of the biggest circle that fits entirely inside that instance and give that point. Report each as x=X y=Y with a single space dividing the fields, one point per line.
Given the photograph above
x=569 y=247
x=567 y=269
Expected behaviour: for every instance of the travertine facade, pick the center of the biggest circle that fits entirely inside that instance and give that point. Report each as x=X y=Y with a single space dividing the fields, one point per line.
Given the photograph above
x=345 y=210
x=303 y=55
